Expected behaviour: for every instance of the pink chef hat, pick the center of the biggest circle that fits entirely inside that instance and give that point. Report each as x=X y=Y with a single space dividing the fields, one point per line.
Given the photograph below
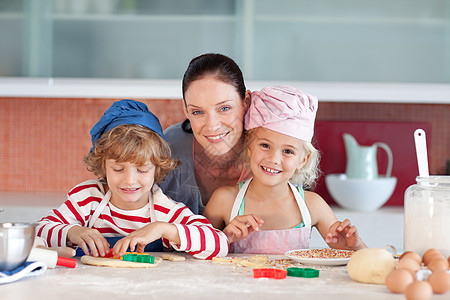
x=283 y=109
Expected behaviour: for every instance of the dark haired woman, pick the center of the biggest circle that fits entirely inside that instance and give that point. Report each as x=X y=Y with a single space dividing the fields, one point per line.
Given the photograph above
x=210 y=142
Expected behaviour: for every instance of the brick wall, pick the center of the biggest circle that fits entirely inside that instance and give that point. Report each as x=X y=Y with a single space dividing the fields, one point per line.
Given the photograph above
x=43 y=141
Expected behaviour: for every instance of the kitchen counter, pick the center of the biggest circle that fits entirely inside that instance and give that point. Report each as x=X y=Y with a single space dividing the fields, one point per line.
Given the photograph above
x=190 y=279
x=195 y=278
x=377 y=228
x=425 y=93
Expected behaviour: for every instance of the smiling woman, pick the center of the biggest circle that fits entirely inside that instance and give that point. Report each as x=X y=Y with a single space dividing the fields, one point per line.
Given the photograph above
x=210 y=142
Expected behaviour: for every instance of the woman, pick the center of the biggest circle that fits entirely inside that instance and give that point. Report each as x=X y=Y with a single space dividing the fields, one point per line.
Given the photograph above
x=209 y=143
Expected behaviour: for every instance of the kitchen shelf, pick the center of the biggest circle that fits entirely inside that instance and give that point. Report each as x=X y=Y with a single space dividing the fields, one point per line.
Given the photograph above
x=171 y=89
x=10 y=16
x=142 y=18
x=286 y=40
x=323 y=20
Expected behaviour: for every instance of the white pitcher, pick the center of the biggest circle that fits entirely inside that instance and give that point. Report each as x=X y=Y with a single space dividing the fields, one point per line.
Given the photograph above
x=362 y=160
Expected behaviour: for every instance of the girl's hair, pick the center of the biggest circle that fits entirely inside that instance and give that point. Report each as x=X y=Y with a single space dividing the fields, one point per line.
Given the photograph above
x=307 y=175
x=131 y=143
x=217 y=65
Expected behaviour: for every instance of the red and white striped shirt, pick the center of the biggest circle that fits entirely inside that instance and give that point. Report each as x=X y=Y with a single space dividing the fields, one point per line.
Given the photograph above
x=197 y=235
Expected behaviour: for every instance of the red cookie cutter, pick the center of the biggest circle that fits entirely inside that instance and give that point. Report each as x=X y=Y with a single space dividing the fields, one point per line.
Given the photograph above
x=109 y=254
x=269 y=273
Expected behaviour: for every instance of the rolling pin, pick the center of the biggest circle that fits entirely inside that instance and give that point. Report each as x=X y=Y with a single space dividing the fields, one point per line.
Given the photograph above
x=51 y=258
x=62 y=251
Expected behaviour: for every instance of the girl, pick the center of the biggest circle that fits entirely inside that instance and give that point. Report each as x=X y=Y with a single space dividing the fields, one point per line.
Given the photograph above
x=129 y=156
x=268 y=214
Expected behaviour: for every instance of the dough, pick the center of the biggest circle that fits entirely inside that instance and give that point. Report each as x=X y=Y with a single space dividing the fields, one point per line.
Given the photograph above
x=116 y=263
x=172 y=257
x=251 y=264
x=226 y=260
x=371 y=265
x=256 y=261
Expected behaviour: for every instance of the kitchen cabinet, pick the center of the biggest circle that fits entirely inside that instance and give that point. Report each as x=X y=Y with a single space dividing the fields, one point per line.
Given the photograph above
x=287 y=40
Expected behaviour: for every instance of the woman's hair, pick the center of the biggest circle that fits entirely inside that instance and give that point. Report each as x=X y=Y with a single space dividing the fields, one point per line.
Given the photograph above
x=217 y=65
x=307 y=175
x=131 y=143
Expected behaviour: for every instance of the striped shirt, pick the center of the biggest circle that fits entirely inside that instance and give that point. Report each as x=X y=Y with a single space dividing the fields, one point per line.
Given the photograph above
x=197 y=235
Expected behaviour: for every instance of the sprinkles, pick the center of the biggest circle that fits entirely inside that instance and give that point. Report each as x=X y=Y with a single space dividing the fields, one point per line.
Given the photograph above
x=326 y=253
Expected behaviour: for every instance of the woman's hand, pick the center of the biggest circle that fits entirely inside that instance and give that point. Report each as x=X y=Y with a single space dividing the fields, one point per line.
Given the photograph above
x=138 y=239
x=342 y=235
x=241 y=226
x=88 y=238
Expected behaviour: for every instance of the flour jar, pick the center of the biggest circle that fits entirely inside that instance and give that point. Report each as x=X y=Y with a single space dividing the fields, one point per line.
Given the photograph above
x=427 y=215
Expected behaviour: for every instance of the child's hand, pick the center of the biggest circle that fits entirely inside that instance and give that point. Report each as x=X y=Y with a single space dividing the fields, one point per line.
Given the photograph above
x=137 y=240
x=241 y=226
x=88 y=238
x=342 y=235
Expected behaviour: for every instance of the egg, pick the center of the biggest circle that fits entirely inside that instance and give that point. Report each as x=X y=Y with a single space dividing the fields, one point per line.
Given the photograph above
x=419 y=290
x=413 y=273
x=413 y=255
x=440 y=282
x=427 y=256
x=438 y=264
x=408 y=263
x=398 y=280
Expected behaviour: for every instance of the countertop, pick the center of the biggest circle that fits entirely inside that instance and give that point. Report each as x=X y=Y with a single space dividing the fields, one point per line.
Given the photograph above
x=377 y=228
x=199 y=279
x=191 y=279
x=425 y=93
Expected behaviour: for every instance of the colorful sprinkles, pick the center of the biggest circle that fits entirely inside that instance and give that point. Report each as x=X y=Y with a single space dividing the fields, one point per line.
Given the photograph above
x=326 y=253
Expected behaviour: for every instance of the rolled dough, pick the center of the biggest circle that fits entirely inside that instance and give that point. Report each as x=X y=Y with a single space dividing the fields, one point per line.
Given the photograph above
x=116 y=263
x=172 y=257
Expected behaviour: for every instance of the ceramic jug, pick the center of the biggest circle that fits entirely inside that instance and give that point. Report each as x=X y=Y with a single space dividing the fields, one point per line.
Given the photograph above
x=362 y=160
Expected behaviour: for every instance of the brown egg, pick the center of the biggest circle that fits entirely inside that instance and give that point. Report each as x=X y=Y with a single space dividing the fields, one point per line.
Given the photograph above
x=438 y=264
x=398 y=280
x=408 y=263
x=440 y=282
x=428 y=254
x=412 y=255
x=419 y=290
x=433 y=257
x=413 y=273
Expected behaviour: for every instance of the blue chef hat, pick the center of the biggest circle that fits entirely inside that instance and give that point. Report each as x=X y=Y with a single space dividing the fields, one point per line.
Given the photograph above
x=125 y=112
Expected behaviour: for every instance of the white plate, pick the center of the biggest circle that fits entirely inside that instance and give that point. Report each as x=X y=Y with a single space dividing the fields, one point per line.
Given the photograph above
x=293 y=254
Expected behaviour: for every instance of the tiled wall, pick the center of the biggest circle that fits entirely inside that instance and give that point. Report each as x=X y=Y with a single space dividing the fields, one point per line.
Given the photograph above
x=43 y=141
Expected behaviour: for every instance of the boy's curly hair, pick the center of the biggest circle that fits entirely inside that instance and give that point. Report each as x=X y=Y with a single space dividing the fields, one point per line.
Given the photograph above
x=131 y=143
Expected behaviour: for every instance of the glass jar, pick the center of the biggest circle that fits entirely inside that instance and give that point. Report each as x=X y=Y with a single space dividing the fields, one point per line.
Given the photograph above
x=427 y=215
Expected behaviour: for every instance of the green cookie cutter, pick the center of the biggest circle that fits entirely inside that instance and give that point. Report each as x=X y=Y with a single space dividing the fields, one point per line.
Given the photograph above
x=302 y=272
x=140 y=258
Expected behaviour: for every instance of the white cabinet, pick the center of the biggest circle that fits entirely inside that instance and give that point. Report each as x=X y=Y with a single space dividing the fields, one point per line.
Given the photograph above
x=286 y=40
